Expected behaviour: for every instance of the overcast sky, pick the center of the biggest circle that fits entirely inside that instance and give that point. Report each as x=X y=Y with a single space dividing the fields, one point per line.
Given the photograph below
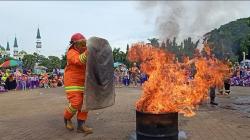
x=120 y=22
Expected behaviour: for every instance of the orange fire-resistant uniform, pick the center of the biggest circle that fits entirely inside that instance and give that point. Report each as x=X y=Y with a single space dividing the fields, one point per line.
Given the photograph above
x=74 y=77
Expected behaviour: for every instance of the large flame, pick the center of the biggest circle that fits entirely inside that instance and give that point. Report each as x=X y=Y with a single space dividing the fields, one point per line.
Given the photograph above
x=169 y=87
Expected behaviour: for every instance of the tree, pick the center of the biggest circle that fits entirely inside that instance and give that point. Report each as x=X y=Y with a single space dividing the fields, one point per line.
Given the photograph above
x=126 y=62
x=163 y=45
x=22 y=53
x=229 y=39
x=116 y=54
x=245 y=43
x=44 y=62
x=189 y=47
x=63 y=61
x=185 y=48
x=119 y=56
x=54 y=62
x=127 y=49
x=29 y=61
x=2 y=51
x=245 y=46
x=154 y=42
x=51 y=62
x=39 y=58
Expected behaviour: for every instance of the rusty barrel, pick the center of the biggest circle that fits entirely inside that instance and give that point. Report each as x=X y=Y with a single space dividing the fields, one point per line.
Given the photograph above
x=162 y=126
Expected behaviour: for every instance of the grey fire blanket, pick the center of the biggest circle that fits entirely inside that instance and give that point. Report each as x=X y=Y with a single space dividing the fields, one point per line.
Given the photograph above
x=99 y=85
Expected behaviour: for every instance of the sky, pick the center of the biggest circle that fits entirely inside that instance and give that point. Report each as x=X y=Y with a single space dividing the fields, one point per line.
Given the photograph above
x=120 y=22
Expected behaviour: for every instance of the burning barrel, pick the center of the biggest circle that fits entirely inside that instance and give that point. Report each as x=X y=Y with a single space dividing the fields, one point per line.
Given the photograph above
x=162 y=126
x=169 y=88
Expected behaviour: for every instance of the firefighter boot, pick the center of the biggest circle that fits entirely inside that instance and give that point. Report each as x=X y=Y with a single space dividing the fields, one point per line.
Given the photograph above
x=212 y=102
x=68 y=124
x=82 y=128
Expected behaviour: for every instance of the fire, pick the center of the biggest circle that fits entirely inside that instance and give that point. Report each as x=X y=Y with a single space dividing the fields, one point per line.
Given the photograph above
x=169 y=87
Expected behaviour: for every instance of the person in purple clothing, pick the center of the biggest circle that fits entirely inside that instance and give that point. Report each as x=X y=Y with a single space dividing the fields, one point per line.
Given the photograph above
x=33 y=82
x=24 y=81
x=28 y=82
x=18 y=75
x=37 y=80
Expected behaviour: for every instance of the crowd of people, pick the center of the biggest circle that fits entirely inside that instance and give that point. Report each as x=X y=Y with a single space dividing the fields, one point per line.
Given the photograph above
x=24 y=79
x=133 y=76
x=241 y=76
x=129 y=76
x=21 y=79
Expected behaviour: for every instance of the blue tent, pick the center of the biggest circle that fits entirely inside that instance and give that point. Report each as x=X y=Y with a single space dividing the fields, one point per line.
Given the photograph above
x=116 y=64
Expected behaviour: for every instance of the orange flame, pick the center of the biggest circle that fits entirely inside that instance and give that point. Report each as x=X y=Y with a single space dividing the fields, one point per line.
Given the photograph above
x=169 y=88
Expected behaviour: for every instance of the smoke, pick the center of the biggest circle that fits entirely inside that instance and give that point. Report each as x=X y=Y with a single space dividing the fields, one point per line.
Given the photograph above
x=184 y=19
x=171 y=25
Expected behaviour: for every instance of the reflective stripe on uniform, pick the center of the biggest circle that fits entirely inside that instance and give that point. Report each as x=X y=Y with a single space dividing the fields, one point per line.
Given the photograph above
x=74 y=88
x=83 y=58
x=71 y=109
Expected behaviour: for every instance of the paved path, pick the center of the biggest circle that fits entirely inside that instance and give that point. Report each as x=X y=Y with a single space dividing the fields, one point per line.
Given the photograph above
x=229 y=121
x=37 y=115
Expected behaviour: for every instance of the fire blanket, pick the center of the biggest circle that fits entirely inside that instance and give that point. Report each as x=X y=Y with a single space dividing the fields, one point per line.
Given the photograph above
x=99 y=87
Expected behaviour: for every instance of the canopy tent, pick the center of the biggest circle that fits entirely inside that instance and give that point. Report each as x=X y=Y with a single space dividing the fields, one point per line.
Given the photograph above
x=116 y=64
x=40 y=69
x=245 y=63
x=6 y=58
x=11 y=63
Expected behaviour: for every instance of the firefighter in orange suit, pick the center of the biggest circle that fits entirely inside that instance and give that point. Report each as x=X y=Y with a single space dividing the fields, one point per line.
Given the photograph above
x=74 y=77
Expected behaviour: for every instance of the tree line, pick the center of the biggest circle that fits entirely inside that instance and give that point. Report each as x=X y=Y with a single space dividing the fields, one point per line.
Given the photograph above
x=231 y=40
x=51 y=62
x=185 y=48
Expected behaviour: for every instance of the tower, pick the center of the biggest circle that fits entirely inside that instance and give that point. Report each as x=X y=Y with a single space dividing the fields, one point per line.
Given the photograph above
x=15 y=51
x=2 y=51
x=8 y=49
x=38 y=42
